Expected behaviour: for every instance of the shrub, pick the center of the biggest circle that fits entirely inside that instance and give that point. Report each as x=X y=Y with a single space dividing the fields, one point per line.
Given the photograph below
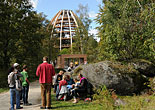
x=104 y=98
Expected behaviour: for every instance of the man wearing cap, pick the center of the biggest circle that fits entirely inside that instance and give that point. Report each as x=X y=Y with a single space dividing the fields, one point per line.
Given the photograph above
x=45 y=71
x=19 y=88
x=14 y=93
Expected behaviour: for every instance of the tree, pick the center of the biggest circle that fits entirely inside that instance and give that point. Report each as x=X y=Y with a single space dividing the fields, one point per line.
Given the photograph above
x=12 y=13
x=81 y=37
x=21 y=34
x=127 y=30
x=84 y=42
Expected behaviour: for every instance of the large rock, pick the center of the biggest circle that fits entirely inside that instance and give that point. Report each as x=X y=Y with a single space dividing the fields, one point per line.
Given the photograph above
x=124 y=79
x=144 y=67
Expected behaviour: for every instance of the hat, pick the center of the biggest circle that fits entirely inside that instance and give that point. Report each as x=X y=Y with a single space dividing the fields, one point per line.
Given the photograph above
x=15 y=64
x=76 y=63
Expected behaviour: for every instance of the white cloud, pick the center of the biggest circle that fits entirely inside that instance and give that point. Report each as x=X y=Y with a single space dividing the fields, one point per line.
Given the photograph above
x=34 y=3
x=99 y=1
x=94 y=32
x=92 y=14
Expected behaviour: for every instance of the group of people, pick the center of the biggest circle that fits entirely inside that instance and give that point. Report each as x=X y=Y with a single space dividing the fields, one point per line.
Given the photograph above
x=19 y=86
x=64 y=86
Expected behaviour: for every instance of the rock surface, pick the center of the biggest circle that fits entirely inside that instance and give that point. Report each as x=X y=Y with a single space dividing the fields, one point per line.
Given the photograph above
x=144 y=67
x=124 y=79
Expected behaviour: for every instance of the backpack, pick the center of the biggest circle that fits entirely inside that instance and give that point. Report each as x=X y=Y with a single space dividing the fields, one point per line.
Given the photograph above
x=18 y=81
x=18 y=85
x=10 y=77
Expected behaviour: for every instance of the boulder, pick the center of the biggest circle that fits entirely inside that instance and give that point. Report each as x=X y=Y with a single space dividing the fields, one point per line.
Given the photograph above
x=144 y=67
x=114 y=75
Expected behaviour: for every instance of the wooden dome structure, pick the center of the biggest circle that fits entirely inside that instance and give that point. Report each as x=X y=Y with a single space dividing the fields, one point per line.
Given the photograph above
x=65 y=23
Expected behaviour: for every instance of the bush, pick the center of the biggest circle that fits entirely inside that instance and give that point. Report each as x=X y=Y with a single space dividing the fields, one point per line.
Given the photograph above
x=3 y=79
x=104 y=98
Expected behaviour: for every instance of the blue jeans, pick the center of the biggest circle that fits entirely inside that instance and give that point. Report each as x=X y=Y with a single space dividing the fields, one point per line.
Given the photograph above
x=14 y=92
x=57 y=91
x=25 y=91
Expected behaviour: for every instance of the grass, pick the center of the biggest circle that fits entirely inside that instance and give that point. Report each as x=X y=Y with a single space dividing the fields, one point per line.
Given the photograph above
x=104 y=101
x=3 y=90
x=68 y=105
x=142 y=102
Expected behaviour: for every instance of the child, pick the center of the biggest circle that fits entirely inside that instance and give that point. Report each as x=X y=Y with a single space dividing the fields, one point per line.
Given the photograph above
x=63 y=88
x=25 y=84
x=77 y=82
x=57 y=80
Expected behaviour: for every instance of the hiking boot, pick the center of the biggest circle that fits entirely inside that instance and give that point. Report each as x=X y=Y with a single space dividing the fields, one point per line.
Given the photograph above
x=42 y=107
x=27 y=104
x=19 y=108
x=48 y=107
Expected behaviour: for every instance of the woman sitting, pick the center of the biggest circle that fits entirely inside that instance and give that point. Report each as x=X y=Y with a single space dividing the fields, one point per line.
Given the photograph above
x=63 y=88
x=81 y=88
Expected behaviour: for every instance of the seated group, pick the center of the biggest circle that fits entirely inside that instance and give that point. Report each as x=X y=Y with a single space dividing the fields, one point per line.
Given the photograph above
x=65 y=87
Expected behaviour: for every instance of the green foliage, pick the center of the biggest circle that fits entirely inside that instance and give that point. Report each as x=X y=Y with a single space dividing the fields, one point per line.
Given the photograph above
x=107 y=99
x=84 y=43
x=3 y=90
x=81 y=37
x=22 y=35
x=145 y=102
x=22 y=31
x=3 y=79
x=126 y=30
x=103 y=97
x=65 y=51
x=152 y=84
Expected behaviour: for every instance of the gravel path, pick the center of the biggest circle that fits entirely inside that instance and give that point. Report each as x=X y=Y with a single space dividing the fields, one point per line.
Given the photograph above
x=34 y=98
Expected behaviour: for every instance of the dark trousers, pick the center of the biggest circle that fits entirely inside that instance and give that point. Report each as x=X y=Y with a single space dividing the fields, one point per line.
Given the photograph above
x=25 y=91
x=75 y=92
x=46 y=94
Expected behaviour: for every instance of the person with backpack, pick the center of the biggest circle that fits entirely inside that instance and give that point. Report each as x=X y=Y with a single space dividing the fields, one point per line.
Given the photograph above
x=25 y=85
x=14 y=85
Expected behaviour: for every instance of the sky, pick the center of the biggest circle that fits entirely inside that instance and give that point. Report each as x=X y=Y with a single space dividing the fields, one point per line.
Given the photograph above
x=51 y=7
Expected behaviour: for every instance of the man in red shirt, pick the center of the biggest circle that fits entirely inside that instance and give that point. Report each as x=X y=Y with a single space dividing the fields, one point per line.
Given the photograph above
x=45 y=72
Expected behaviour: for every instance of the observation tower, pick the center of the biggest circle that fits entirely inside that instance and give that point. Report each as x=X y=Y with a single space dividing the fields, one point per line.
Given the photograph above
x=64 y=24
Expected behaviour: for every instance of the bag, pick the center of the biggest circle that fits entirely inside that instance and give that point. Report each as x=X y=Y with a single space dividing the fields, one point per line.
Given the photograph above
x=18 y=85
x=10 y=77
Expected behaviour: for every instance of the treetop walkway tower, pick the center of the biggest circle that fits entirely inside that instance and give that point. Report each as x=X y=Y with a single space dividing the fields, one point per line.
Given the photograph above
x=65 y=23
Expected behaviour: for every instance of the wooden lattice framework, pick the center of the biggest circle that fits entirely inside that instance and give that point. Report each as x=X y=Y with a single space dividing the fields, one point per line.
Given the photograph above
x=65 y=23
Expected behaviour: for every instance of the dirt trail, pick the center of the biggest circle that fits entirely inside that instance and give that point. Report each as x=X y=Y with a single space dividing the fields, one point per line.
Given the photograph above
x=34 y=98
